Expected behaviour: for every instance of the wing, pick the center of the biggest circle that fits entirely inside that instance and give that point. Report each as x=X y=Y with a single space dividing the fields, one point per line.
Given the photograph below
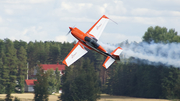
x=98 y=27
x=77 y=52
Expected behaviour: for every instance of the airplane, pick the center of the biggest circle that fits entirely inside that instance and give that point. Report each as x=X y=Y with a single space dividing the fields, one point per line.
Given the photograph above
x=89 y=41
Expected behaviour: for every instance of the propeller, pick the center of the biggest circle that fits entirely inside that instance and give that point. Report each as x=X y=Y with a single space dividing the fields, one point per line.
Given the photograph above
x=70 y=30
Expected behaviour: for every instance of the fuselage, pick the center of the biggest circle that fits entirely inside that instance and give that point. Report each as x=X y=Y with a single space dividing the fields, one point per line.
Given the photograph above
x=88 y=40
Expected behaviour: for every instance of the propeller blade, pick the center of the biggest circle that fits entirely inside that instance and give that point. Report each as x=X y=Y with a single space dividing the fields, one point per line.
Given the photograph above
x=68 y=32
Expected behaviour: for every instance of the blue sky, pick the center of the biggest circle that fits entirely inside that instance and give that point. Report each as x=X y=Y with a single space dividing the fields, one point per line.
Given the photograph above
x=49 y=20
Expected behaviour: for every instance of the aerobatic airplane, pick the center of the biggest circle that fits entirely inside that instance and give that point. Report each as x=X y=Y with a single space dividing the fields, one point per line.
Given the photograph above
x=88 y=41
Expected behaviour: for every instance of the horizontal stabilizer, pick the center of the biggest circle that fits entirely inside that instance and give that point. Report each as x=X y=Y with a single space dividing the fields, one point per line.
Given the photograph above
x=108 y=62
x=117 y=51
x=115 y=54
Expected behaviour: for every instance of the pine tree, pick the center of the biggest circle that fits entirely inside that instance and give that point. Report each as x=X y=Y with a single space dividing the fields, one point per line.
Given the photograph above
x=58 y=80
x=5 y=72
x=177 y=87
x=54 y=54
x=67 y=80
x=40 y=52
x=22 y=68
x=2 y=88
x=81 y=83
x=31 y=56
x=41 y=86
x=51 y=81
x=11 y=66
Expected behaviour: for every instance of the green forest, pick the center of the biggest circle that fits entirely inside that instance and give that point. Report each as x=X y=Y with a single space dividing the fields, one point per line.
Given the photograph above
x=122 y=78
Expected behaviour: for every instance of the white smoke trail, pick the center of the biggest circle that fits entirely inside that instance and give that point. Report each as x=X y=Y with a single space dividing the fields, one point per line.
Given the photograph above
x=153 y=53
x=108 y=47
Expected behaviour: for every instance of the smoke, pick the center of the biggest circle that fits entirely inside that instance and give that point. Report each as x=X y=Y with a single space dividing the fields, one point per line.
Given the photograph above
x=153 y=53
x=108 y=47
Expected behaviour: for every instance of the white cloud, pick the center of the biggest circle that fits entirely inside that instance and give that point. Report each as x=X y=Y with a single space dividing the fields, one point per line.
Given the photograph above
x=61 y=38
x=170 y=1
x=35 y=32
x=28 y=34
x=149 y=21
x=117 y=38
x=10 y=33
x=39 y=1
x=1 y=20
x=12 y=1
x=140 y=20
x=145 y=12
x=154 y=13
x=25 y=1
x=9 y=11
x=66 y=6
x=76 y=19
x=73 y=7
x=175 y=13
x=116 y=8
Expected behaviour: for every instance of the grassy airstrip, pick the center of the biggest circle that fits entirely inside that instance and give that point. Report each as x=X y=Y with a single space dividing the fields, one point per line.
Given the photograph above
x=104 y=97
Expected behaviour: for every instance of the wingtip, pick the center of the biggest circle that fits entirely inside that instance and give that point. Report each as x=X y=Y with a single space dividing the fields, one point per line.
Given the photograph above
x=104 y=66
x=64 y=62
x=104 y=16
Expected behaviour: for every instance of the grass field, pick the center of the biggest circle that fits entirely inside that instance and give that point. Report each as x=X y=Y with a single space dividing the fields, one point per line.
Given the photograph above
x=104 y=97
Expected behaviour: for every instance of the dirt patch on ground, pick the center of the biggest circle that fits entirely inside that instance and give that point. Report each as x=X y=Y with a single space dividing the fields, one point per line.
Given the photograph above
x=104 y=97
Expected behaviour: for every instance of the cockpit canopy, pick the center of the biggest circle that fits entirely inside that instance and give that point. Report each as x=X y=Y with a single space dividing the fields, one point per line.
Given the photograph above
x=91 y=41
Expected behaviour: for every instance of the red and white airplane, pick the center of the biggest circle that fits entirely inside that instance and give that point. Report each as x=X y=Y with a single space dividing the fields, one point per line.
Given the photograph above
x=88 y=41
